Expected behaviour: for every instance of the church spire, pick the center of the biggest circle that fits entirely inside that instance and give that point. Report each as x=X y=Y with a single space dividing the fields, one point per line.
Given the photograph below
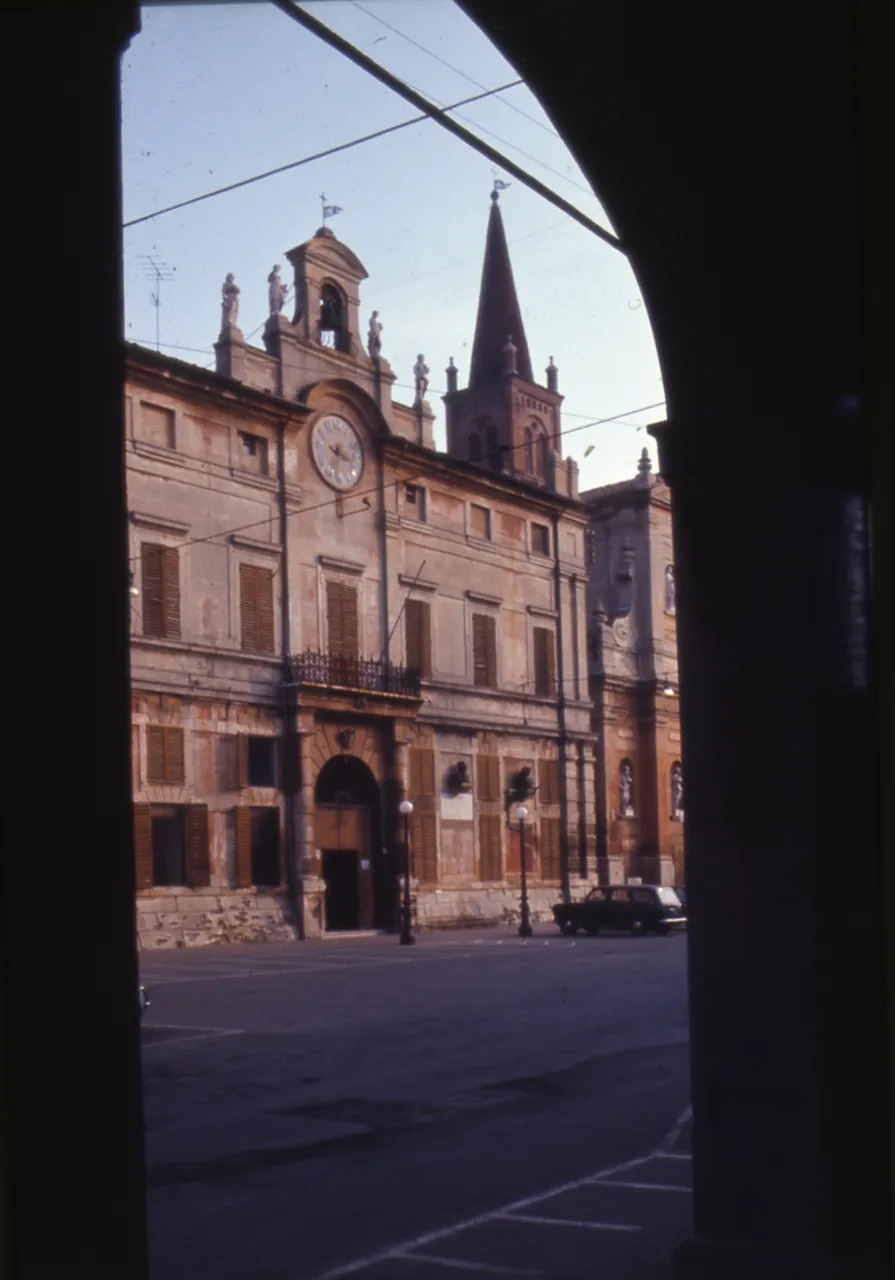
x=499 y=312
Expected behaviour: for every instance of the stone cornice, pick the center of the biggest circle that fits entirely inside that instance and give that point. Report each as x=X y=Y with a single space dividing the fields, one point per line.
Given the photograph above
x=418 y=584
x=343 y=566
x=479 y=597
x=256 y=544
x=148 y=521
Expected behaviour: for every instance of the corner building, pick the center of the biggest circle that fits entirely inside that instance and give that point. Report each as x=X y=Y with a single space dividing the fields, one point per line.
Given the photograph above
x=330 y=616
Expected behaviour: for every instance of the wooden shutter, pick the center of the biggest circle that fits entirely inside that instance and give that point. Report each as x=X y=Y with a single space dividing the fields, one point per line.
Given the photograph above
x=418 y=636
x=488 y=777
x=198 y=853
x=424 y=846
x=155 y=753
x=175 y=771
x=349 y=622
x=544 y=663
x=171 y=588
x=548 y=781
x=264 y=596
x=243 y=823
x=484 y=650
x=341 y=610
x=248 y=606
x=422 y=772
x=152 y=589
x=489 y=846
x=550 y=851
x=144 y=876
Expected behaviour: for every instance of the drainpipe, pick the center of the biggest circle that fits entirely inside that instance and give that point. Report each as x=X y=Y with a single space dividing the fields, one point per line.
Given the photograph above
x=561 y=716
x=294 y=878
x=579 y=769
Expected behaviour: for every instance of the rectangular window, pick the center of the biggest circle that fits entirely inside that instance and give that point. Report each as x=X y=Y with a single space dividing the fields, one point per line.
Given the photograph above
x=160 y=590
x=261 y=763
x=488 y=777
x=414 y=502
x=255 y=453
x=480 y=522
x=550 y=851
x=418 y=637
x=164 y=754
x=484 y=650
x=548 y=781
x=540 y=539
x=544 y=662
x=256 y=608
x=489 y=846
x=423 y=826
x=341 y=612
x=156 y=425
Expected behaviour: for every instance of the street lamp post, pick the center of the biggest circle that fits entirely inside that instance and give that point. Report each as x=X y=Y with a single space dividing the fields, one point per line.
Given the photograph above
x=407 y=939
x=525 y=929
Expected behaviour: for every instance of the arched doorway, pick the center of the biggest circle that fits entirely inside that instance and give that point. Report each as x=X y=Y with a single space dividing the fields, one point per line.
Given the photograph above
x=348 y=833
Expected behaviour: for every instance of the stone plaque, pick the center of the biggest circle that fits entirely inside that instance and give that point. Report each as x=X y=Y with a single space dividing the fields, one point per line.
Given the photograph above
x=457 y=808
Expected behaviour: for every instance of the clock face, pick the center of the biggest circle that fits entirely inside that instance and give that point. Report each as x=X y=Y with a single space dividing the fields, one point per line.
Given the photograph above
x=338 y=452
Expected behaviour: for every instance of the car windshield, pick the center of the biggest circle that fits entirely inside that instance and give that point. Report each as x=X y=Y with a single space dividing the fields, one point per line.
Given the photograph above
x=669 y=897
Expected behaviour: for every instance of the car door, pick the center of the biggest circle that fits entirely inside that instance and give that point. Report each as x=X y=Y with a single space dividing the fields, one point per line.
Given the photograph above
x=644 y=907
x=620 y=908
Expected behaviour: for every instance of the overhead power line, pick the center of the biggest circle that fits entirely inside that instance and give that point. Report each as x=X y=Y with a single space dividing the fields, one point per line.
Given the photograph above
x=374 y=17
x=318 y=155
x=440 y=117
x=364 y=494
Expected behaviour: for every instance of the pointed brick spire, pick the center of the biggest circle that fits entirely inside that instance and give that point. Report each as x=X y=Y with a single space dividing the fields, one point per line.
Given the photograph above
x=499 y=312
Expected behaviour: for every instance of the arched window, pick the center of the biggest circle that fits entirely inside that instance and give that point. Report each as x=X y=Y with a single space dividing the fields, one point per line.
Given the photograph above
x=332 y=318
x=492 y=441
x=475 y=447
x=529 y=451
x=670 y=605
x=540 y=449
x=626 y=789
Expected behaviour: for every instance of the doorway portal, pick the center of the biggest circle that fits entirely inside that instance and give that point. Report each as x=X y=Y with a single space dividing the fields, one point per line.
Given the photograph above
x=348 y=831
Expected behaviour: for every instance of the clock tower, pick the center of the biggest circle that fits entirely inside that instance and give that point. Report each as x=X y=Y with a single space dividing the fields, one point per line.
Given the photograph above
x=503 y=419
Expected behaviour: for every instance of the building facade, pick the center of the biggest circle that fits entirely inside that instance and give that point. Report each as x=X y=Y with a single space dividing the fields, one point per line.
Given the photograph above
x=329 y=616
x=633 y=681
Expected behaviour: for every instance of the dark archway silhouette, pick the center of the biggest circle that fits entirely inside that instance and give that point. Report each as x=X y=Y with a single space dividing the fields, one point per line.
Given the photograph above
x=347 y=786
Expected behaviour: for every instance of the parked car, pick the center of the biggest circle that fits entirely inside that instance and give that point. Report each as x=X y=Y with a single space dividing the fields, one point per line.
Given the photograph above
x=143 y=998
x=633 y=908
x=681 y=891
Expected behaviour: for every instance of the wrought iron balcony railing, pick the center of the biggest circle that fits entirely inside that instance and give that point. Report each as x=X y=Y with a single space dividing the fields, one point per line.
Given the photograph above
x=369 y=675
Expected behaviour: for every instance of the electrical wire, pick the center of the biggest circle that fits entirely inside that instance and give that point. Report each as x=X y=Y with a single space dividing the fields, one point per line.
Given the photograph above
x=365 y=493
x=328 y=36
x=512 y=106
x=318 y=155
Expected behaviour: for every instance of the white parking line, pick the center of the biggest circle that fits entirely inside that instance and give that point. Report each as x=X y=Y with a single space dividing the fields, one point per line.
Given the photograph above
x=672 y=1155
x=174 y=1041
x=567 y=1222
x=460 y=1265
x=410 y=1247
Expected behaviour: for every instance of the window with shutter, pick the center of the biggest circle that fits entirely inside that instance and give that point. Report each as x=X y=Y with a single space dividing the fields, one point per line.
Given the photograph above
x=484 y=650
x=243 y=826
x=489 y=846
x=550 y=851
x=164 y=754
x=418 y=636
x=540 y=539
x=342 y=617
x=424 y=846
x=143 y=877
x=544 y=662
x=256 y=608
x=422 y=773
x=152 y=589
x=198 y=854
x=548 y=781
x=488 y=777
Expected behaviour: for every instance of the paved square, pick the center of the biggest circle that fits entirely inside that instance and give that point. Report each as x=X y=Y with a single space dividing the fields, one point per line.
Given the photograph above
x=475 y=1103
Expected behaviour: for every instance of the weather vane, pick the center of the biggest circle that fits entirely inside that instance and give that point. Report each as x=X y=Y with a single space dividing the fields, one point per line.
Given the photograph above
x=329 y=210
x=498 y=184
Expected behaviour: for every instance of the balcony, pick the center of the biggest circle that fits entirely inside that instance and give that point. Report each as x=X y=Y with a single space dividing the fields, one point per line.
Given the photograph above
x=355 y=675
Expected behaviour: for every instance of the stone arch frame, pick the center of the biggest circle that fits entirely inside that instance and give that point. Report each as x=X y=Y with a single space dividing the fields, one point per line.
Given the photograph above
x=626 y=768
x=474 y=449
x=367 y=746
x=528 y=450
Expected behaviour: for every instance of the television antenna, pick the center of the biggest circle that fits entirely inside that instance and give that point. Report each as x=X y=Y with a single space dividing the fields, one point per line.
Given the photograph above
x=157 y=271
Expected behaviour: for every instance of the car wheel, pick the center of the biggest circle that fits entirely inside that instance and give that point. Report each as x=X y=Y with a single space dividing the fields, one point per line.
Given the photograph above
x=637 y=929
x=592 y=930
x=569 y=928
x=662 y=930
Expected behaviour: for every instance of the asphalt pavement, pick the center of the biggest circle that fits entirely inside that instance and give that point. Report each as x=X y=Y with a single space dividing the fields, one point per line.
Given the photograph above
x=477 y=1103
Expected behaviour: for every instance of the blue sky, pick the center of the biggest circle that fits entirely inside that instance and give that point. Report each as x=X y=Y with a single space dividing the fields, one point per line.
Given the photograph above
x=212 y=94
